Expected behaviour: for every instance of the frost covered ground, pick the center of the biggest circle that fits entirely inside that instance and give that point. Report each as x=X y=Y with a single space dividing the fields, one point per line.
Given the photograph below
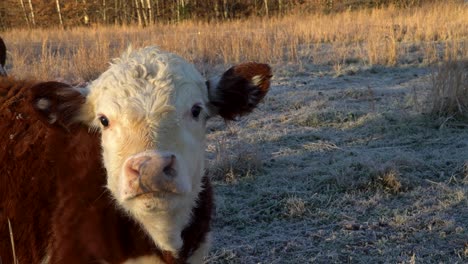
x=343 y=168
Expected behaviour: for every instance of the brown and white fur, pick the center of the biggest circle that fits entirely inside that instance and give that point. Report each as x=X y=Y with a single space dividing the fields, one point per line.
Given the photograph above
x=149 y=112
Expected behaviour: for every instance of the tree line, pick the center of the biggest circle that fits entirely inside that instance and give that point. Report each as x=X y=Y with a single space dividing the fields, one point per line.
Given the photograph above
x=70 y=13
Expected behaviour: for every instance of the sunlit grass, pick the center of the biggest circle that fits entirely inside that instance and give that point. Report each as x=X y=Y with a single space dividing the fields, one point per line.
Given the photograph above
x=374 y=37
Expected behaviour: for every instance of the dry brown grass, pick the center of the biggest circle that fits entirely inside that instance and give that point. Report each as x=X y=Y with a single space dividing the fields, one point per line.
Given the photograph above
x=450 y=90
x=377 y=36
x=460 y=176
x=389 y=181
x=15 y=260
x=295 y=207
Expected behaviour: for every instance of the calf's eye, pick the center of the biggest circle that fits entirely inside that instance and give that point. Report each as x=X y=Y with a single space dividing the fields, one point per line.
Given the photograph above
x=104 y=121
x=196 y=109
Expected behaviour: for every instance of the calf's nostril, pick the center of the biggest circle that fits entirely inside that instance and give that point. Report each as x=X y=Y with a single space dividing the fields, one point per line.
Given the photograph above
x=169 y=171
x=169 y=168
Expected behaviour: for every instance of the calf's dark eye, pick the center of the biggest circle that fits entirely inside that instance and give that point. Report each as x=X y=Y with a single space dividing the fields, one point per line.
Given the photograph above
x=196 y=110
x=104 y=121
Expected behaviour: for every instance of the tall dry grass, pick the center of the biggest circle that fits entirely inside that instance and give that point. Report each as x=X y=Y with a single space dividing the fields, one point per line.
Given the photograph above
x=449 y=91
x=385 y=36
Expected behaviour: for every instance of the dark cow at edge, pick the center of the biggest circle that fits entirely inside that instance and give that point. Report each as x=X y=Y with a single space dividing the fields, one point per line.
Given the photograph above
x=59 y=191
x=2 y=57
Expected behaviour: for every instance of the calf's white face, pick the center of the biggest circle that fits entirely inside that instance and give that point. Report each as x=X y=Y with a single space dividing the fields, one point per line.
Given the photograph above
x=151 y=108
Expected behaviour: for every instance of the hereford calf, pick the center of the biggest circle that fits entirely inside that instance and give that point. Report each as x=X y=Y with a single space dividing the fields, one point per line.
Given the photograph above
x=113 y=173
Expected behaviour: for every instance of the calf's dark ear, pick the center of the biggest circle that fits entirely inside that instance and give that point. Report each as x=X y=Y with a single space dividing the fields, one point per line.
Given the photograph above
x=238 y=91
x=57 y=104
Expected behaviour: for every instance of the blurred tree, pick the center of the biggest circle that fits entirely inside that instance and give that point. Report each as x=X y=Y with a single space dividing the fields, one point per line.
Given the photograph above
x=25 y=13
x=43 y=13
x=59 y=13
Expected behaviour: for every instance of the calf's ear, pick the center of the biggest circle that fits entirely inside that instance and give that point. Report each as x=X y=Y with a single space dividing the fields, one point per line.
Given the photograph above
x=57 y=104
x=238 y=91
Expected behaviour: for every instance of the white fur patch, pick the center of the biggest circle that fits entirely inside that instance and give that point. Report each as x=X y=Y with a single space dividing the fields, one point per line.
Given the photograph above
x=145 y=260
x=257 y=80
x=43 y=104
x=52 y=118
x=196 y=258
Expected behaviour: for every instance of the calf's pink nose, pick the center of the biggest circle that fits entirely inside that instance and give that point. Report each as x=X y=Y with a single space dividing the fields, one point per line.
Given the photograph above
x=154 y=172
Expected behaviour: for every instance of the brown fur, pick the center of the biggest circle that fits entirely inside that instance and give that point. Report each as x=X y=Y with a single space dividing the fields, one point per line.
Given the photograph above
x=52 y=188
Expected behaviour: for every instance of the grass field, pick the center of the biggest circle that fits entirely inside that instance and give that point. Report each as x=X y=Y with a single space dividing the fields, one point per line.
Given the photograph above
x=386 y=36
x=353 y=171
x=354 y=156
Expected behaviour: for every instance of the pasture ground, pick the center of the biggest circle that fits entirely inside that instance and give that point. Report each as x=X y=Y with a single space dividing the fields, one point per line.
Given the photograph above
x=341 y=169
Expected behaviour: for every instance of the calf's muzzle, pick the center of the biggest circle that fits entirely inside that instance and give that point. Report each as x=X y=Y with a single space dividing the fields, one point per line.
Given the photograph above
x=150 y=172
